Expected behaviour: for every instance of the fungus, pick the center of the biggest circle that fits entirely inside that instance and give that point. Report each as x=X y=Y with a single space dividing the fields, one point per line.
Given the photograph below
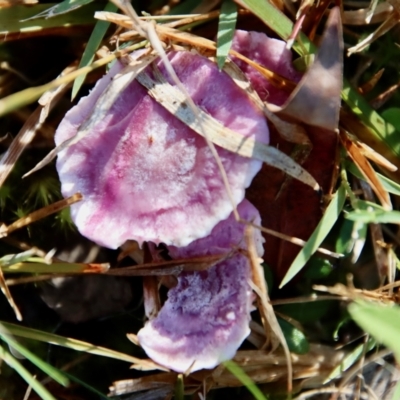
x=147 y=176
x=206 y=316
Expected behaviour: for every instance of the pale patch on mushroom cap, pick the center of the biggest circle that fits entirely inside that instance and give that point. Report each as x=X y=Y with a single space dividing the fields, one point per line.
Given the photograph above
x=207 y=315
x=144 y=174
x=268 y=52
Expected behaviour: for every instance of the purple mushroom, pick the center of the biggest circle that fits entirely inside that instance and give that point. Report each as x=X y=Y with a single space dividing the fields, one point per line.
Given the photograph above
x=147 y=176
x=207 y=315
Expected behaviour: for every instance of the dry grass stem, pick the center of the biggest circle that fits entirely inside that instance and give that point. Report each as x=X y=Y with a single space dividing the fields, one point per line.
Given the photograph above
x=385 y=27
x=39 y=214
x=272 y=328
x=366 y=169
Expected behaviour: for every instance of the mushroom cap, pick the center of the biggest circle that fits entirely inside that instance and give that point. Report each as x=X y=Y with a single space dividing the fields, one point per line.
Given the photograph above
x=146 y=176
x=206 y=316
x=270 y=53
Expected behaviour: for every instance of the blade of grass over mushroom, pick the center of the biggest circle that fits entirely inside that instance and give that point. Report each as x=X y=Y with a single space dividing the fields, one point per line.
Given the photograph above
x=321 y=231
x=173 y=100
x=54 y=373
x=380 y=320
x=238 y=372
x=278 y=22
x=25 y=374
x=92 y=45
x=39 y=214
x=226 y=30
x=168 y=267
x=73 y=344
x=15 y=22
x=103 y=104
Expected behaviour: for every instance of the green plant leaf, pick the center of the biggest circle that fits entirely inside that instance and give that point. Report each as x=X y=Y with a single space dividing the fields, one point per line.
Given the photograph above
x=54 y=373
x=43 y=393
x=392 y=115
x=295 y=338
x=380 y=320
x=306 y=312
x=93 y=44
x=321 y=231
x=238 y=372
x=226 y=30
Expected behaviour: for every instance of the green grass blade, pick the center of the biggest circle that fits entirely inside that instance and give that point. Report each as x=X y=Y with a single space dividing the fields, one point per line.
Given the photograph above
x=380 y=128
x=86 y=386
x=321 y=231
x=73 y=344
x=61 y=8
x=350 y=359
x=238 y=372
x=388 y=184
x=179 y=388
x=54 y=373
x=43 y=393
x=226 y=30
x=375 y=216
x=15 y=19
x=93 y=44
x=379 y=320
x=279 y=23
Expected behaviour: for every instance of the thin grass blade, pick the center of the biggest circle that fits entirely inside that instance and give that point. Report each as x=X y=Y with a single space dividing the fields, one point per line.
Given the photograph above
x=54 y=373
x=43 y=393
x=226 y=30
x=238 y=372
x=73 y=344
x=93 y=44
x=321 y=231
x=64 y=7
